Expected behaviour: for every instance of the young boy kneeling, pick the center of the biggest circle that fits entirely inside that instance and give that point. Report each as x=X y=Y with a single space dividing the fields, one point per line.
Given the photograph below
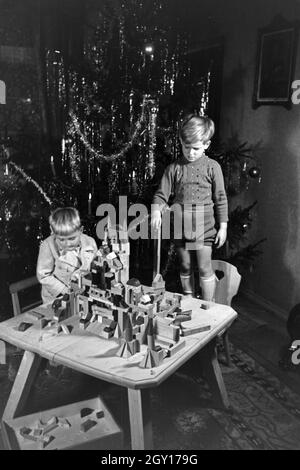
x=64 y=253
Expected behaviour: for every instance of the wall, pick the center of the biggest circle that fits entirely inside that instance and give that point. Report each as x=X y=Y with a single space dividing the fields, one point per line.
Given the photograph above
x=276 y=277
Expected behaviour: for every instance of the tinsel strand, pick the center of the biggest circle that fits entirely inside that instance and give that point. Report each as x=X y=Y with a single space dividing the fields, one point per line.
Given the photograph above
x=114 y=156
x=31 y=181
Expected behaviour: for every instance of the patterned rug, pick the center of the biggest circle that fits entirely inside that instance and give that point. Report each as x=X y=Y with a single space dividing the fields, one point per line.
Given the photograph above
x=264 y=414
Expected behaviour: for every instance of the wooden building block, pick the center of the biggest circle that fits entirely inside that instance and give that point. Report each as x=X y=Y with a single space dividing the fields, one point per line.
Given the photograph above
x=23 y=326
x=86 y=412
x=106 y=332
x=152 y=359
x=87 y=425
x=206 y=306
x=185 y=331
x=175 y=347
x=83 y=323
x=34 y=315
x=51 y=424
x=104 y=434
x=162 y=328
x=43 y=322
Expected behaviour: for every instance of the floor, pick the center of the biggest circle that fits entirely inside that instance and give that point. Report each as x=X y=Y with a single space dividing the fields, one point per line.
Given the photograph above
x=263 y=335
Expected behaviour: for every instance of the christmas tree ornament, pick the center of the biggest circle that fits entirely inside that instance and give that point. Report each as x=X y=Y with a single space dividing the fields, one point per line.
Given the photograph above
x=254 y=172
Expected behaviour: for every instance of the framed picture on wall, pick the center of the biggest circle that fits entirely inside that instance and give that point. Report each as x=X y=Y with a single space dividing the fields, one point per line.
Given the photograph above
x=275 y=63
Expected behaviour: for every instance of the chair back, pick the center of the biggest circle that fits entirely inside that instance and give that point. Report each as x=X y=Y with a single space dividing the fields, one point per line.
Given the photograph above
x=19 y=286
x=229 y=281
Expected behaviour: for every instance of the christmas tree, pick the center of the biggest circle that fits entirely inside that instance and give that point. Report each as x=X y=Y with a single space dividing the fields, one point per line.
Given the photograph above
x=112 y=94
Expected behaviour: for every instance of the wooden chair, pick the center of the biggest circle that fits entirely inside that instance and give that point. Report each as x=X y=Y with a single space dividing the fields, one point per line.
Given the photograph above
x=19 y=286
x=227 y=287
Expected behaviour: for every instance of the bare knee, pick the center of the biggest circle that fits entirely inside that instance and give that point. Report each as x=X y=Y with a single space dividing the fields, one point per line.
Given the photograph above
x=205 y=269
x=185 y=268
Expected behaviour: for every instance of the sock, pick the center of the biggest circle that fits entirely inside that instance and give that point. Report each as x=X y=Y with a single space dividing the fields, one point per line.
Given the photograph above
x=208 y=286
x=187 y=284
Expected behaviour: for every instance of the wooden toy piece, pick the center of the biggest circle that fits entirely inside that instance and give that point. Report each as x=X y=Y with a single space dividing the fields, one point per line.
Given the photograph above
x=83 y=323
x=56 y=304
x=152 y=358
x=37 y=432
x=67 y=329
x=150 y=334
x=63 y=423
x=43 y=322
x=132 y=286
x=45 y=440
x=118 y=333
x=106 y=332
x=34 y=315
x=175 y=347
x=86 y=412
x=120 y=303
x=122 y=316
x=25 y=432
x=145 y=299
x=110 y=256
x=95 y=328
x=2 y=353
x=97 y=293
x=86 y=280
x=185 y=331
x=51 y=424
x=164 y=343
x=117 y=263
x=82 y=305
x=60 y=314
x=109 y=322
x=24 y=326
x=117 y=288
x=142 y=336
x=158 y=282
x=206 y=306
x=86 y=425
x=128 y=348
x=136 y=330
x=125 y=248
x=115 y=247
x=182 y=317
x=127 y=334
x=98 y=277
x=148 y=309
x=103 y=312
x=162 y=328
x=100 y=414
x=109 y=278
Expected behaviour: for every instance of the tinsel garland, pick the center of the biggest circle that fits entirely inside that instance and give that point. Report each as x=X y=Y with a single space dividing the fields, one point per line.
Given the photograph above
x=30 y=180
x=125 y=148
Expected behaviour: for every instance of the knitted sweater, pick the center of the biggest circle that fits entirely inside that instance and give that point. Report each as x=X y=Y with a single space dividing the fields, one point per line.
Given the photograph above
x=200 y=182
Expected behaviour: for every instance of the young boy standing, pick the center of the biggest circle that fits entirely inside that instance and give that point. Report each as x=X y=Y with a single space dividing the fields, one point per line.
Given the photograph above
x=198 y=185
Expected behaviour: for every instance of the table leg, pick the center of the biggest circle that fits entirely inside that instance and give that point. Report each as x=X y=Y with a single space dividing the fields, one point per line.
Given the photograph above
x=20 y=390
x=213 y=374
x=140 y=419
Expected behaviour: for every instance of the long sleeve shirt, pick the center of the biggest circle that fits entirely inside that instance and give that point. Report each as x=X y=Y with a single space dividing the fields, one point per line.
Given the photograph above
x=199 y=183
x=56 y=267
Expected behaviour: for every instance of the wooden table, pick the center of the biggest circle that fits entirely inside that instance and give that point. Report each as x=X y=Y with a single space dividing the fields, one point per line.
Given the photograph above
x=87 y=353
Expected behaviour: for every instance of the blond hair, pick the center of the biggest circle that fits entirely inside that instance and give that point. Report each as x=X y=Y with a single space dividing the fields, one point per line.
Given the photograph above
x=64 y=221
x=194 y=127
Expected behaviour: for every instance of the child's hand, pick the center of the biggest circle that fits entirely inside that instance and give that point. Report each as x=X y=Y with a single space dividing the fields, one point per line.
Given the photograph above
x=221 y=237
x=156 y=219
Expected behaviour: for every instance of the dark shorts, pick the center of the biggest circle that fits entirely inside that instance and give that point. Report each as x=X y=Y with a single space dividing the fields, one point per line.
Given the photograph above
x=193 y=226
